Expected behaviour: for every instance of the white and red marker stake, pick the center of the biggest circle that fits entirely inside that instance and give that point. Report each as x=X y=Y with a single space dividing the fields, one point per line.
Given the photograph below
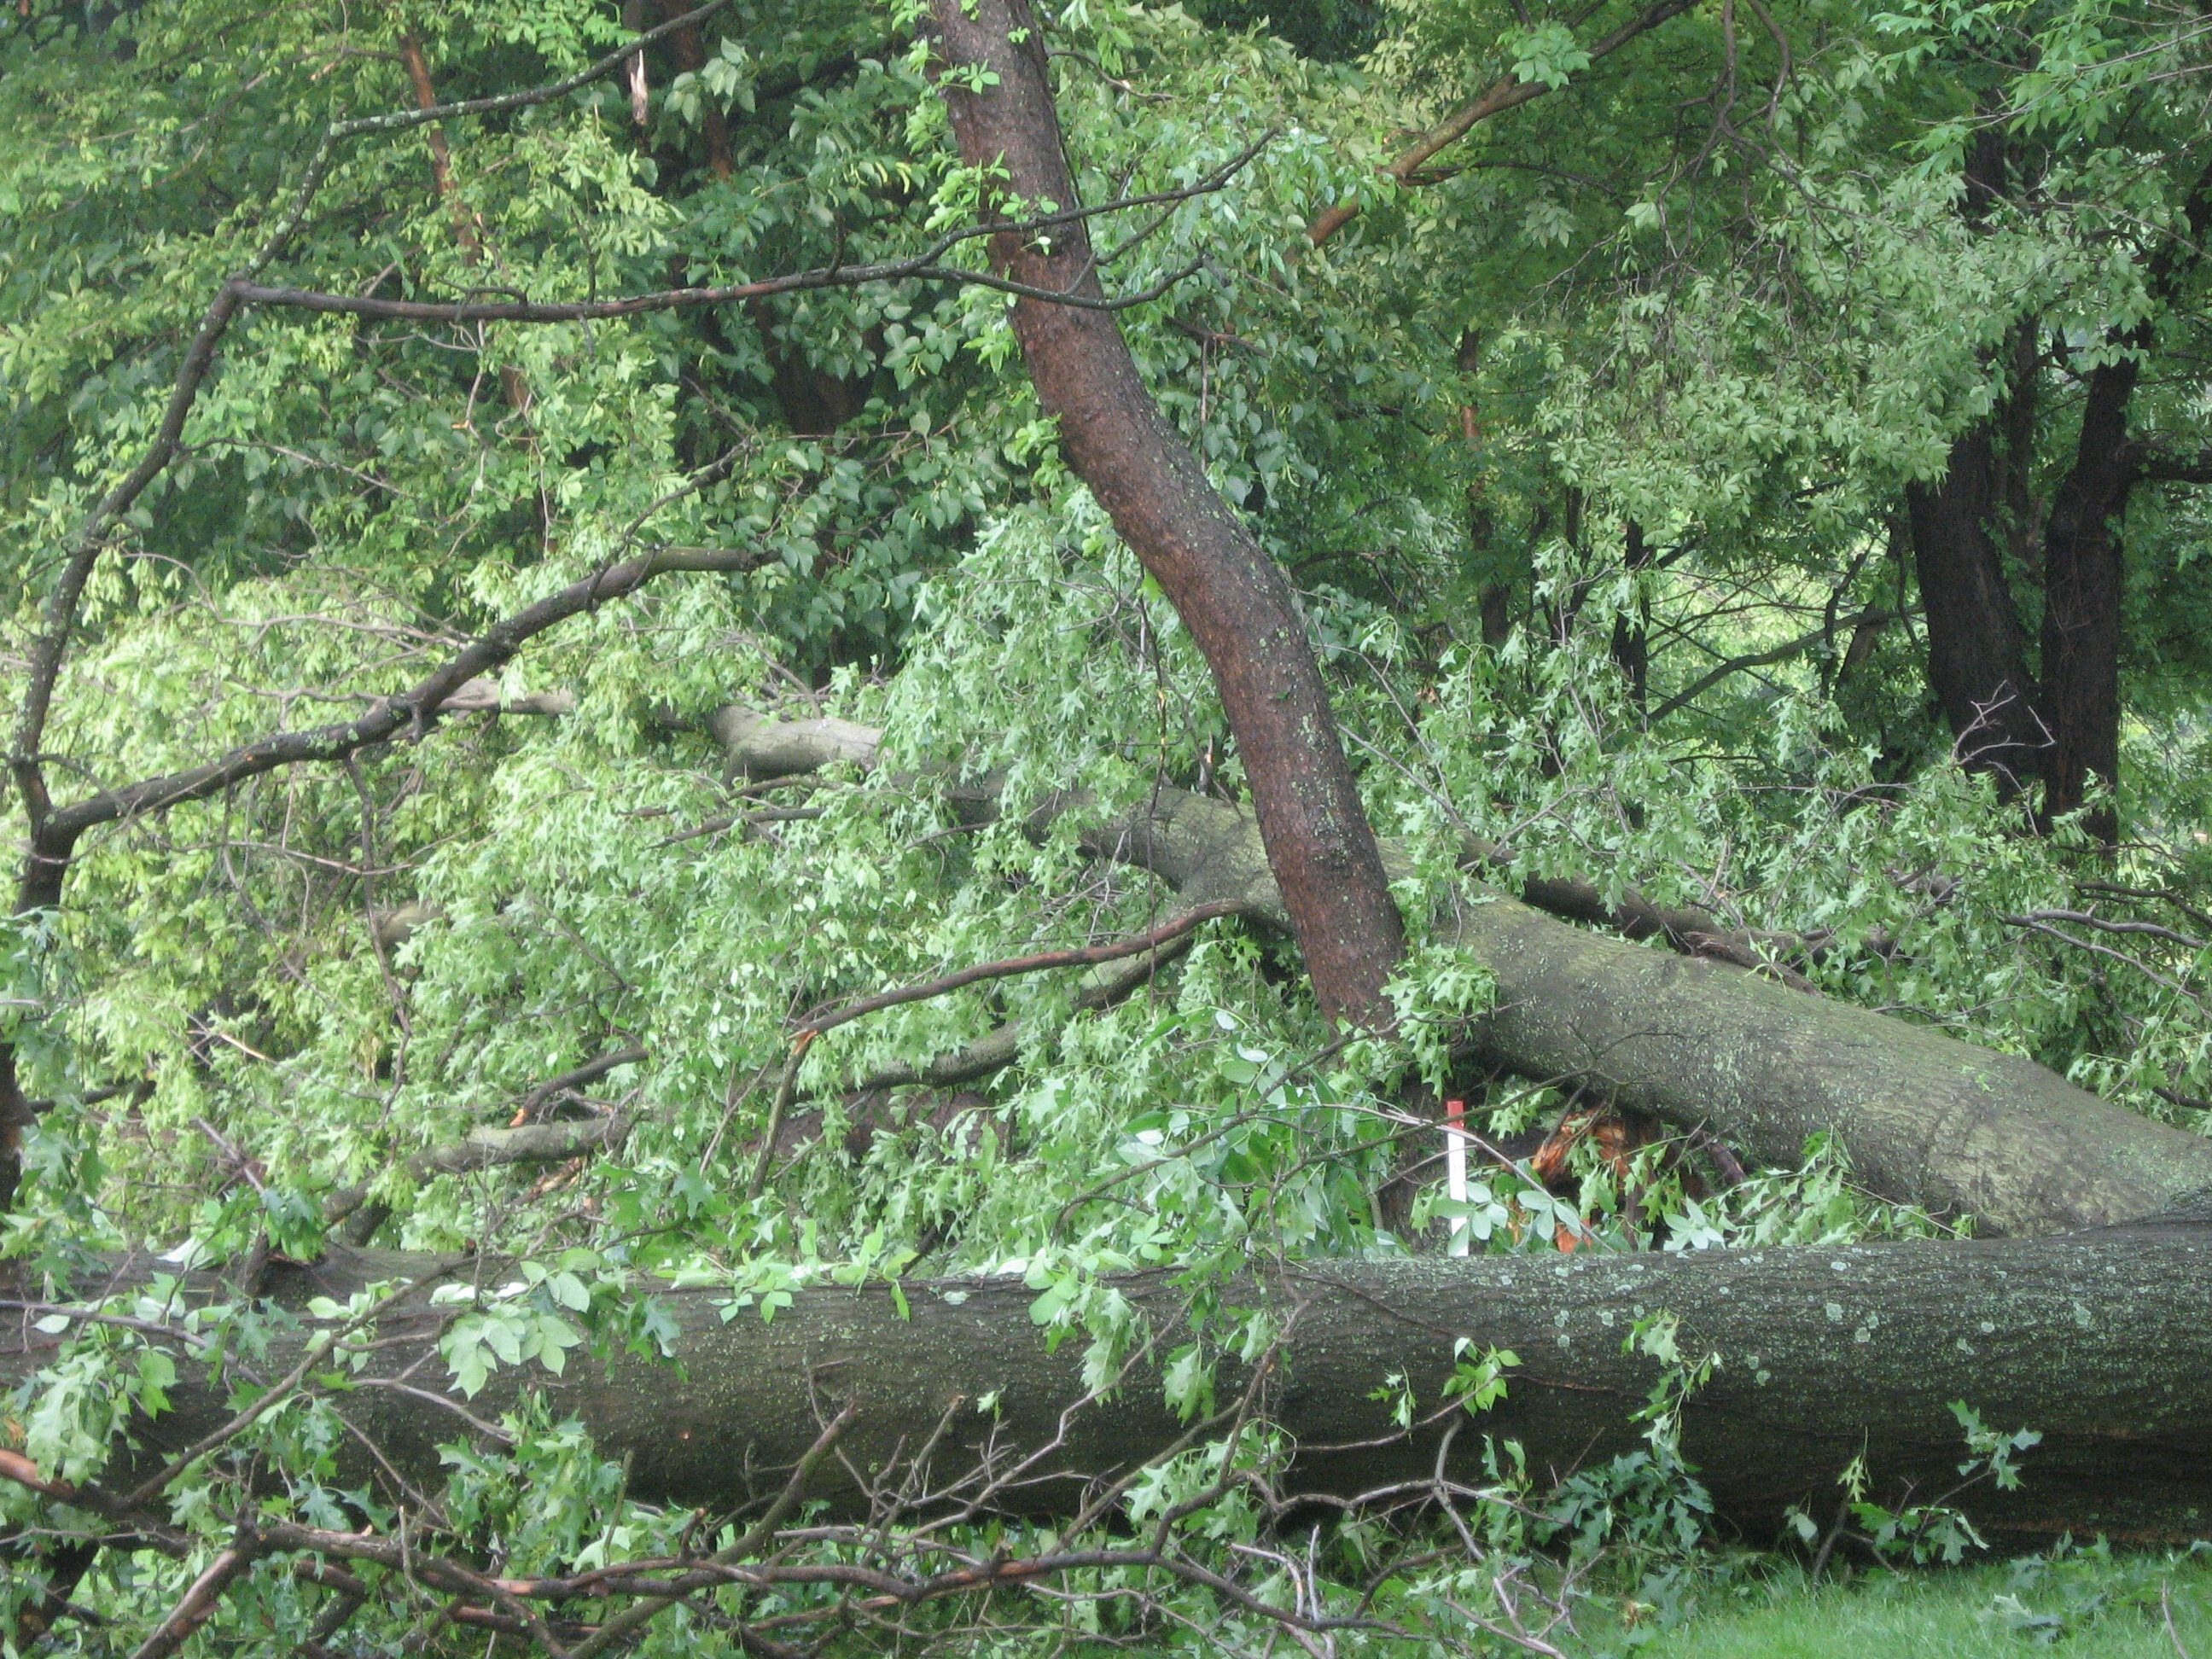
x=1456 y=1170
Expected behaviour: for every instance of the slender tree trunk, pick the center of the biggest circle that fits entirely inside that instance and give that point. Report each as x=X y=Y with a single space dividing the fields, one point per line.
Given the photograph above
x=1632 y=634
x=2082 y=599
x=2101 y=1341
x=1239 y=605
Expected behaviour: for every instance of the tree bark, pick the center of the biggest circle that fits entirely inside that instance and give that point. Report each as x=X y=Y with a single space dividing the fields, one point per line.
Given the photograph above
x=690 y=50
x=1632 y=634
x=2082 y=598
x=2101 y=1341
x=1239 y=605
x=1976 y=649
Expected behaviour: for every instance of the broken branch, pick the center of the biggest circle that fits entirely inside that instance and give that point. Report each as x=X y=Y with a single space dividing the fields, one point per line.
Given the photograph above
x=1084 y=956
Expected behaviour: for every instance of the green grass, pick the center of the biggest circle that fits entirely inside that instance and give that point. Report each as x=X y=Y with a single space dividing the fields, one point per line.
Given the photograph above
x=2106 y=1607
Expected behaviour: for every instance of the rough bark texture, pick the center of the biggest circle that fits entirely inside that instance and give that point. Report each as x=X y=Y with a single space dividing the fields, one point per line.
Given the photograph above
x=1926 y=1118
x=2101 y=1342
x=1696 y=1040
x=1239 y=605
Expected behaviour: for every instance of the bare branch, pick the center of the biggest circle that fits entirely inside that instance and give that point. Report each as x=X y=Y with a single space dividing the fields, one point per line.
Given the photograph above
x=1720 y=671
x=411 y=713
x=486 y=1148
x=1509 y=92
x=2089 y=918
x=60 y=615
x=1084 y=957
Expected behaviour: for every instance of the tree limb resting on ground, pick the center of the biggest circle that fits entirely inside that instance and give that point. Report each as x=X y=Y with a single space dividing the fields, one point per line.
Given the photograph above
x=2101 y=1342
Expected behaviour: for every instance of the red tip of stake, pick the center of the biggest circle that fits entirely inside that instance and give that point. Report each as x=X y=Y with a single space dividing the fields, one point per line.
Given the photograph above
x=1455 y=1110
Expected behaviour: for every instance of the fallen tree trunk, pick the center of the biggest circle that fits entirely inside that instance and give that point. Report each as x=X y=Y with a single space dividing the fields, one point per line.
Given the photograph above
x=1927 y=1119
x=2101 y=1341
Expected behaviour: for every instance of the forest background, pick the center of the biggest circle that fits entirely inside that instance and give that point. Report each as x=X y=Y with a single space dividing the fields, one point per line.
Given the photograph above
x=545 y=575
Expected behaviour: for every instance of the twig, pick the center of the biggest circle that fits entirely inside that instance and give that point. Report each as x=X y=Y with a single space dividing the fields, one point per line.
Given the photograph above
x=2135 y=963
x=2088 y=919
x=1086 y=956
x=785 y=1089
x=679 y=299
x=762 y=1532
x=60 y=614
x=1509 y=92
x=199 y=1602
x=924 y=266
x=1761 y=659
x=590 y=1071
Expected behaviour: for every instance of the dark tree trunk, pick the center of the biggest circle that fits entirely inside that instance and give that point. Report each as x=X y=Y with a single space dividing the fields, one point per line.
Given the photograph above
x=2082 y=599
x=1239 y=605
x=2101 y=1341
x=1976 y=649
x=1496 y=601
x=1632 y=634
x=691 y=57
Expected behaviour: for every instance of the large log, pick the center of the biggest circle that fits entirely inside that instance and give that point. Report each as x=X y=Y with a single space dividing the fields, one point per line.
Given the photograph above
x=2101 y=1342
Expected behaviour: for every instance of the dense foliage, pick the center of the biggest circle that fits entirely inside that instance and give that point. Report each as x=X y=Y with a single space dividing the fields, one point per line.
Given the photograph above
x=1588 y=448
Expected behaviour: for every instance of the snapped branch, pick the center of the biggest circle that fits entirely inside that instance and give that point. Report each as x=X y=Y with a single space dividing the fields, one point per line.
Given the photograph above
x=1089 y=956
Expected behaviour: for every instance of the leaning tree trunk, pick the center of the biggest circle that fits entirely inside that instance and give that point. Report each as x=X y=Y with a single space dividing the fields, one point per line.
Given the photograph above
x=2102 y=1342
x=1238 y=606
